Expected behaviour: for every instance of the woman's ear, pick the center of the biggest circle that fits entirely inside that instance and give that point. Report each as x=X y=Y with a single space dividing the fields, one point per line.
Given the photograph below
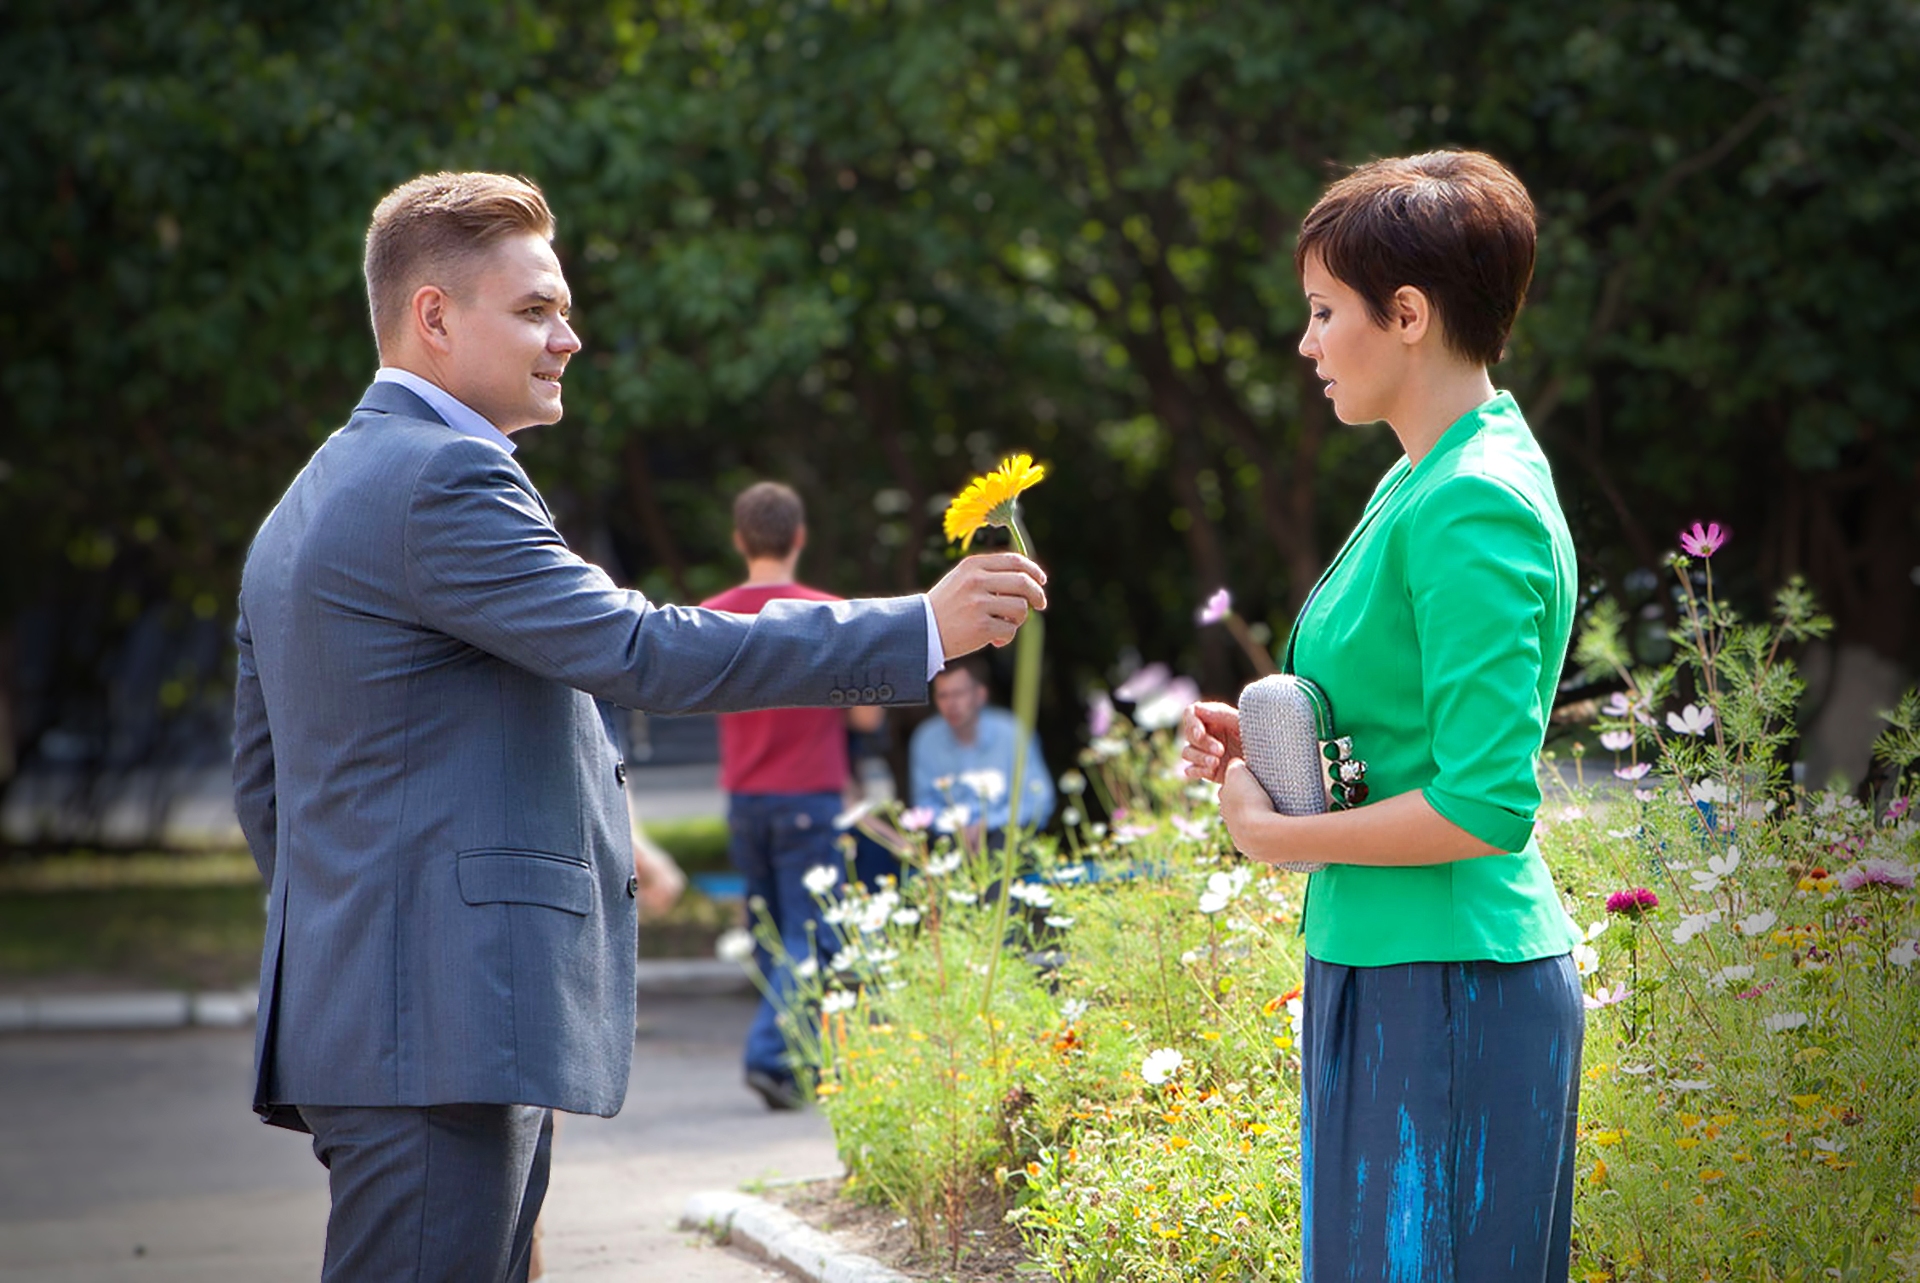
x=1412 y=314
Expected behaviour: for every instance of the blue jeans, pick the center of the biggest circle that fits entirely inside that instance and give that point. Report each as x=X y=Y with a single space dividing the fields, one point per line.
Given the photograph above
x=774 y=838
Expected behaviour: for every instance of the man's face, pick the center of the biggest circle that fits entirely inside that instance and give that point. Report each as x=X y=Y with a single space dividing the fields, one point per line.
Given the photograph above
x=509 y=336
x=959 y=698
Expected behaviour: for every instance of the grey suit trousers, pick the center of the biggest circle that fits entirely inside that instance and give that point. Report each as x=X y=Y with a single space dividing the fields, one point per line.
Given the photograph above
x=431 y=1194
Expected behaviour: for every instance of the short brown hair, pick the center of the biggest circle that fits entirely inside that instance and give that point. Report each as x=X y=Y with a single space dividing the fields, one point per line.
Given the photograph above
x=768 y=516
x=1455 y=225
x=973 y=665
x=428 y=231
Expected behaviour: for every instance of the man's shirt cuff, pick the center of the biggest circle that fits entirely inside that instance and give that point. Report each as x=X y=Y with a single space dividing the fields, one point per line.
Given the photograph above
x=936 y=650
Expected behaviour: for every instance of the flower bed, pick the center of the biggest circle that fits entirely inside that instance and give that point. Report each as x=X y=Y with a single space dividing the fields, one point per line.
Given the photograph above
x=1112 y=1067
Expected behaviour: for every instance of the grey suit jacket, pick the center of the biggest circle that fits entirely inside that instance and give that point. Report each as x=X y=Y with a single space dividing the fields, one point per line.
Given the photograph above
x=427 y=784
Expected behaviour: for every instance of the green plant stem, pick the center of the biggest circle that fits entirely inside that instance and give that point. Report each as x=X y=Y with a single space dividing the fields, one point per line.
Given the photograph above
x=1026 y=705
x=1257 y=655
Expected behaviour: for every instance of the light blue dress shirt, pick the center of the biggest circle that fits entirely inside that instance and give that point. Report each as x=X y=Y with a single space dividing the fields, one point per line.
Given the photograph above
x=458 y=414
x=939 y=765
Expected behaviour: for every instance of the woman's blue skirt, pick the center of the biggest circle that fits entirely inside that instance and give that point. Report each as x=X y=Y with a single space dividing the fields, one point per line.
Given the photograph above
x=1437 y=1121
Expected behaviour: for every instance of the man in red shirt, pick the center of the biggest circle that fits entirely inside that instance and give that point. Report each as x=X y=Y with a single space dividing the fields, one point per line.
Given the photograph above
x=786 y=775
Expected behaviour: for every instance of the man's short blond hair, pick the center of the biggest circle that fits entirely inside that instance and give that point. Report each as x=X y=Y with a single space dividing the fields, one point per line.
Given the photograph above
x=428 y=231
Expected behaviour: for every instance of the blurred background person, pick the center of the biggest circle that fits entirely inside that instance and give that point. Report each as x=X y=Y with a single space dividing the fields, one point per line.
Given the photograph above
x=787 y=776
x=962 y=761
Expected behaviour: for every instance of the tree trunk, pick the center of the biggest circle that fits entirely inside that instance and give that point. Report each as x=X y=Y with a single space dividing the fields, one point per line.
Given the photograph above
x=646 y=503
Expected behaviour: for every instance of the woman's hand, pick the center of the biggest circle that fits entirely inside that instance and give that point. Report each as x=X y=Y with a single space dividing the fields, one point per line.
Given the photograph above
x=1247 y=811
x=1212 y=734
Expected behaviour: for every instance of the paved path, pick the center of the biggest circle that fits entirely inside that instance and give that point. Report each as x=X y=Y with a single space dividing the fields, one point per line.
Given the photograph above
x=133 y=1156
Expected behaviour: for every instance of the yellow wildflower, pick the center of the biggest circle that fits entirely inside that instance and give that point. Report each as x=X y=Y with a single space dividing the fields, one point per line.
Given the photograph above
x=988 y=500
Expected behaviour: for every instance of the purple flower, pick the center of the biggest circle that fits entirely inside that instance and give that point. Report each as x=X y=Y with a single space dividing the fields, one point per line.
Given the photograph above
x=1898 y=810
x=1100 y=715
x=1703 y=541
x=1634 y=772
x=1694 y=719
x=916 y=819
x=1218 y=607
x=1618 y=705
x=1605 y=997
x=1147 y=680
x=1166 y=706
x=1634 y=903
x=1876 y=872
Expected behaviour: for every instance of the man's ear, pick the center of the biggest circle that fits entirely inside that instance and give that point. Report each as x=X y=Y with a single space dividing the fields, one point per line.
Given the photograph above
x=427 y=317
x=740 y=546
x=799 y=537
x=1412 y=313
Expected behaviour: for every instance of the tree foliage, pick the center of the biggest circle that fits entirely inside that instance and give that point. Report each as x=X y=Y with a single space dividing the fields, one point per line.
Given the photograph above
x=870 y=246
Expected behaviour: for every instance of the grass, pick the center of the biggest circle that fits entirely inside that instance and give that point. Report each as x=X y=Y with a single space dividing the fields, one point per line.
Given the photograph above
x=195 y=920
x=698 y=845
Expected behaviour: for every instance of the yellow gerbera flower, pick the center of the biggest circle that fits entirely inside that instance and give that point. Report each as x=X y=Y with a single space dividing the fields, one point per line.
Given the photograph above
x=988 y=500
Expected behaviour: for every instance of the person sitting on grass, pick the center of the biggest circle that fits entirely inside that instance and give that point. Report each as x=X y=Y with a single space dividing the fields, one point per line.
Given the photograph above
x=961 y=762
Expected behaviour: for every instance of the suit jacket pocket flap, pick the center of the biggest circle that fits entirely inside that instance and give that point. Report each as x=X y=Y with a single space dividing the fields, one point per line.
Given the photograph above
x=526 y=877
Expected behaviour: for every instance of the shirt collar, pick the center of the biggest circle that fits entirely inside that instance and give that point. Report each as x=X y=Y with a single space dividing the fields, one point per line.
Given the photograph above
x=458 y=415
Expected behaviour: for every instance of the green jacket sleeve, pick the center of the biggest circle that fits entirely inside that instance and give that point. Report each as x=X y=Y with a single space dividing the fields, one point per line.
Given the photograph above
x=1480 y=575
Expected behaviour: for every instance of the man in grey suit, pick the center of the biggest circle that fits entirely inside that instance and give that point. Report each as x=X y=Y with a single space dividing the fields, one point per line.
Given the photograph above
x=423 y=772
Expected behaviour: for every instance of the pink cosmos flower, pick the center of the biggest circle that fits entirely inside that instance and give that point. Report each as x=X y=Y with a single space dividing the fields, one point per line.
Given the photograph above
x=1218 y=607
x=1100 y=715
x=1634 y=772
x=1618 y=705
x=1702 y=541
x=1149 y=679
x=1694 y=719
x=1634 y=903
x=918 y=818
x=1605 y=997
x=1617 y=741
x=1898 y=810
x=1877 y=872
x=1192 y=830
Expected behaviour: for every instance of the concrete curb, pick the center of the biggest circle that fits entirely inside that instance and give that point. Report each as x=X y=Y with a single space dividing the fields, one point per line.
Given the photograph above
x=783 y=1239
x=158 y=1009
x=683 y=977
x=232 y=1009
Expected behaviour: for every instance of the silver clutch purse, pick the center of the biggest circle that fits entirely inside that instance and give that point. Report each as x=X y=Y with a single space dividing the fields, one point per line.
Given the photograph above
x=1286 y=732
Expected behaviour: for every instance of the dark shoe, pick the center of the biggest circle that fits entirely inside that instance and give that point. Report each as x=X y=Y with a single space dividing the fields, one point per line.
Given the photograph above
x=779 y=1093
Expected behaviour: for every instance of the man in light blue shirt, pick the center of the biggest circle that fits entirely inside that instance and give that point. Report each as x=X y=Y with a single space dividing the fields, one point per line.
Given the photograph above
x=961 y=763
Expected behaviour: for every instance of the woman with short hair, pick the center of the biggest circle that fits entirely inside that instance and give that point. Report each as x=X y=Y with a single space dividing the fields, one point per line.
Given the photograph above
x=1443 y=1017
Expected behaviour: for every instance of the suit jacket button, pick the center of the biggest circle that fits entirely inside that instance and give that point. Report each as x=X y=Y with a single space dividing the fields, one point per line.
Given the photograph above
x=869 y=695
x=885 y=692
x=836 y=697
x=633 y=886
x=620 y=772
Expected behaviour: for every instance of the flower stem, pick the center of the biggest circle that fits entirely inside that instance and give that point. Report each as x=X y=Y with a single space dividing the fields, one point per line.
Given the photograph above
x=1026 y=705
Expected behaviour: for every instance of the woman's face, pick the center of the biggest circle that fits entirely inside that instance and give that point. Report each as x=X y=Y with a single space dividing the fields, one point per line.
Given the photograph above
x=1362 y=363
